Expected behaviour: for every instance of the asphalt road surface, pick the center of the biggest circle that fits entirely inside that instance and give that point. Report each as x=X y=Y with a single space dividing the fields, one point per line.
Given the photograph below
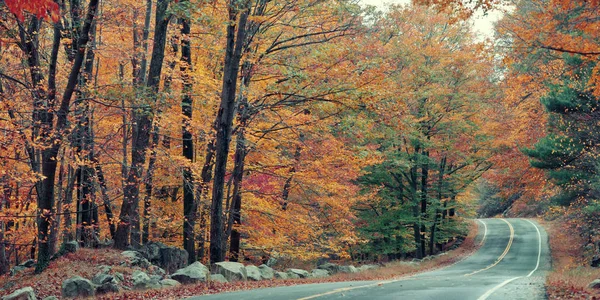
x=511 y=264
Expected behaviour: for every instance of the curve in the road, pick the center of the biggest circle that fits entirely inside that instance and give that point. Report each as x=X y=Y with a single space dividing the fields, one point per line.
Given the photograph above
x=511 y=253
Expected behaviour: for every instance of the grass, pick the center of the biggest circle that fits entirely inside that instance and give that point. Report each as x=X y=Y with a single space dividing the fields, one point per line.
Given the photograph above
x=85 y=263
x=571 y=273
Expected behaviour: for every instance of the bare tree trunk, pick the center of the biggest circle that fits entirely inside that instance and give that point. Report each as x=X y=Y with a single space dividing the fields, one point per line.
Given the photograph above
x=438 y=204
x=224 y=122
x=129 y=217
x=190 y=206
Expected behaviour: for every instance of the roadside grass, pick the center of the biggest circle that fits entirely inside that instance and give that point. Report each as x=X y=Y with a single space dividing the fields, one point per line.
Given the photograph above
x=571 y=273
x=85 y=263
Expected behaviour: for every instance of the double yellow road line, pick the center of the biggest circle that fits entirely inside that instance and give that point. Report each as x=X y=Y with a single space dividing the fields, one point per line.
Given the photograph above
x=510 y=241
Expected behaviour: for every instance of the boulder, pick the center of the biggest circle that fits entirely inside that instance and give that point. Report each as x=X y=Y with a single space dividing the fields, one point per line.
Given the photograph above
x=266 y=272
x=331 y=268
x=253 y=273
x=298 y=272
x=28 y=263
x=594 y=284
x=218 y=278
x=367 y=267
x=70 y=246
x=232 y=271
x=169 y=258
x=151 y=251
x=281 y=275
x=16 y=270
x=50 y=298
x=172 y=259
x=156 y=270
x=108 y=287
x=102 y=278
x=271 y=261
x=25 y=293
x=193 y=273
x=136 y=259
x=105 y=269
x=142 y=281
x=119 y=277
x=169 y=283
x=348 y=269
x=76 y=287
x=319 y=273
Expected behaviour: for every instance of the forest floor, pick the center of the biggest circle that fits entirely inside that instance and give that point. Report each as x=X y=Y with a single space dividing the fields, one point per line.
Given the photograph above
x=571 y=272
x=85 y=263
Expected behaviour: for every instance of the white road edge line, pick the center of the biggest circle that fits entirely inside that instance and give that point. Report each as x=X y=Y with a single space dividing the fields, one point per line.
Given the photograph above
x=484 y=231
x=539 y=248
x=490 y=292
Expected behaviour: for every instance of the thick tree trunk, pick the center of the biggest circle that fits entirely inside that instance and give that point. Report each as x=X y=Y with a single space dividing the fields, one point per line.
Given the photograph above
x=149 y=181
x=224 y=123
x=236 y=205
x=129 y=216
x=49 y=155
x=190 y=206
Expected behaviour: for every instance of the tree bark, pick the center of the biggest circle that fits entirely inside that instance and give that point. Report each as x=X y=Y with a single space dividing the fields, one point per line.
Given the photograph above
x=438 y=204
x=424 y=197
x=224 y=123
x=129 y=216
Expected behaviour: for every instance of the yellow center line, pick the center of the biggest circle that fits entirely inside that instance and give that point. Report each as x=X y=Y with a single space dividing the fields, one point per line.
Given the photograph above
x=510 y=241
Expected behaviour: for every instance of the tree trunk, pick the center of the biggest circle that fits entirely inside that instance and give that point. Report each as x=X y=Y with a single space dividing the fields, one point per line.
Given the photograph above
x=149 y=181
x=424 y=197
x=224 y=123
x=415 y=205
x=438 y=204
x=190 y=206
x=49 y=155
x=108 y=207
x=129 y=216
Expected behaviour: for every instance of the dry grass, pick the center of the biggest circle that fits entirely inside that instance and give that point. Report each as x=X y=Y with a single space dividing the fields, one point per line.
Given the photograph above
x=86 y=261
x=571 y=272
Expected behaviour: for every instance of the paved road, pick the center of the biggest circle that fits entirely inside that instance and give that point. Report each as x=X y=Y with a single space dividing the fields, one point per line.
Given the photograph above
x=511 y=264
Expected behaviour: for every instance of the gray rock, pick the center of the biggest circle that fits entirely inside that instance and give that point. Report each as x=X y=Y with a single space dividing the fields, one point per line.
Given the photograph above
x=271 y=261
x=77 y=287
x=331 y=268
x=25 y=293
x=193 y=273
x=102 y=278
x=156 y=270
x=218 y=278
x=51 y=298
x=70 y=246
x=291 y=275
x=119 y=277
x=166 y=257
x=266 y=272
x=151 y=251
x=298 y=272
x=16 y=270
x=136 y=259
x=348 y=269
x=367 y=267
x=232 y=271
x=142 y=281
x=253 y=273
x=28 y=263
x=105 y=269
x=108 y=287
x=172 y=259
x=319 y=273
x=281 y=275
x=169 y=283
x=594 y=284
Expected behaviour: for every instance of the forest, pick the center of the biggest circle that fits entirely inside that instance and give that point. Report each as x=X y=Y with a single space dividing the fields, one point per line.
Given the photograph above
x=300 y=129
